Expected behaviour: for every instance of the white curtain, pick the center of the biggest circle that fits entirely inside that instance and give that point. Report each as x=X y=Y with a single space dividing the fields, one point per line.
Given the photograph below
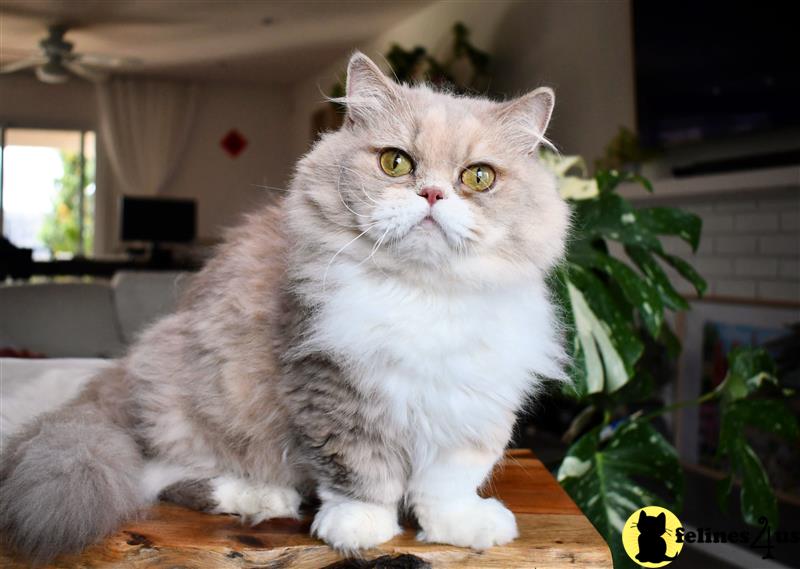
x=145 y=126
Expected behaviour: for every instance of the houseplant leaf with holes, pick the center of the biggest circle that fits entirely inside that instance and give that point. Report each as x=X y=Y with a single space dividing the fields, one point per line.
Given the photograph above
x=613 y=307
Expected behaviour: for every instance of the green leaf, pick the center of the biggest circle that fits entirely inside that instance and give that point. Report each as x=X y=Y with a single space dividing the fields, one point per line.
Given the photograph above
x=557 y=284
x=574 y=188
x=605 y=307
x=609 y=180
x=757 y=497
x=670 y=341
x=600 y=478
x=657 y=277
x=608 y=373
x=603 y=340
x=639 y=388
x=611 y=217
x=642 y=181
x=769 y=415
x=748 y=369
x=687 y=272
x=637 y=291
x=672 y=221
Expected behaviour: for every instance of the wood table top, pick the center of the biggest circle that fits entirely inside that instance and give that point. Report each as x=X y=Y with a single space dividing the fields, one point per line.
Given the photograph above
x=553 y=533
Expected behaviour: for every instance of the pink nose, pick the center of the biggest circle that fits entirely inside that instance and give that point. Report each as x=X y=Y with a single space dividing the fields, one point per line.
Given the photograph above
x=432 y=195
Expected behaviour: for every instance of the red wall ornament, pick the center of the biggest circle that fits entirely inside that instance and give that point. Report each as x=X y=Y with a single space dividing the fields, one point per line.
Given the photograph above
x=233 y=143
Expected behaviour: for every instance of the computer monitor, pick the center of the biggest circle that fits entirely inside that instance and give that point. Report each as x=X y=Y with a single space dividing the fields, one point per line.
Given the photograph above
x=158 y=220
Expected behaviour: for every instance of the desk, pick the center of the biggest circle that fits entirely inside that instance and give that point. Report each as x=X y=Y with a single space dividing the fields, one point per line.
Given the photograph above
x=553 y=533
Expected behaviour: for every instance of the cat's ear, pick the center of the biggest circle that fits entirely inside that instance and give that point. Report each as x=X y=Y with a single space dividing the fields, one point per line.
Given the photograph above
x=642 y=516
x=662 y=517
x=368 y=91
x=529 y=116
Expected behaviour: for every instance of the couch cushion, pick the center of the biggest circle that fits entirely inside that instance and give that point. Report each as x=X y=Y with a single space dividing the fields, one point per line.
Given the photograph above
x=60 y=319
x=141 y=297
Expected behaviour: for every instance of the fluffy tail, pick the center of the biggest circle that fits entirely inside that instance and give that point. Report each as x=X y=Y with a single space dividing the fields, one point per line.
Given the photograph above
x=68 y=479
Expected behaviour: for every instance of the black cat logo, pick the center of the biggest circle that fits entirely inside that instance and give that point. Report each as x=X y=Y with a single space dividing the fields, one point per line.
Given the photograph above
x=649 y=537
x=652 y=547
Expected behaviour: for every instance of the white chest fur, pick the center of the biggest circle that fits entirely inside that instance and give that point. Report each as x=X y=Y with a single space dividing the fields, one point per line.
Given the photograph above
x=445 y=367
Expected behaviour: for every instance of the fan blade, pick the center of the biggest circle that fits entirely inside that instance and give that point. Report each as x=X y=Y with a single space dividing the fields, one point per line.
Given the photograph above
x=92 y=75
x=23 y=64
x=104 y=60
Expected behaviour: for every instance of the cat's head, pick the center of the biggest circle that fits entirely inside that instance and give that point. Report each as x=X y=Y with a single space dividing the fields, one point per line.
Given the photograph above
x=424 y=182
x=654 y=525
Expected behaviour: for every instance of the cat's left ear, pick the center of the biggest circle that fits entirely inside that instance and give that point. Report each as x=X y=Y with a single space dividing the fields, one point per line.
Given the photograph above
x=530 y=115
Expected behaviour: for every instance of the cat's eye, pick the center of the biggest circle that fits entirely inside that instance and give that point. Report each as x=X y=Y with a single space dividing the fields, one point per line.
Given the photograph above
x=395 y=162
x=478 y=177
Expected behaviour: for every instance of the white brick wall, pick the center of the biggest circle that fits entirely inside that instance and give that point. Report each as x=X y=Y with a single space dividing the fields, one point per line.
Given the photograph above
x=750 y=246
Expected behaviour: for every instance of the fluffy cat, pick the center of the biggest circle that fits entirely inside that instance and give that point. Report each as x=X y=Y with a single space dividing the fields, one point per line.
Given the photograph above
x=368 y=340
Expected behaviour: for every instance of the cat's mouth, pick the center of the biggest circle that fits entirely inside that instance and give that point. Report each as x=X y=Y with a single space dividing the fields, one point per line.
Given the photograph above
x=430 y=224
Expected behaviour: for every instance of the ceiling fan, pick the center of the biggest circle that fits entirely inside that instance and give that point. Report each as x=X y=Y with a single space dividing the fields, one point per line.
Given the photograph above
x=56 y=61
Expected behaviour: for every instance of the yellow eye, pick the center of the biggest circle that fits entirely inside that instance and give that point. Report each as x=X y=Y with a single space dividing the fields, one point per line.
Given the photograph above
x=396 y=162
x=478 y=177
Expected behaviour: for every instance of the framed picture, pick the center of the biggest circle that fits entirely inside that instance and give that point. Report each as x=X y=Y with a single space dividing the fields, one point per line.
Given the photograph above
x=709 y=331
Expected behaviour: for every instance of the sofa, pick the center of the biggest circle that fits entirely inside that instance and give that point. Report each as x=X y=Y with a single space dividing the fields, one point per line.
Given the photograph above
x=96 y=319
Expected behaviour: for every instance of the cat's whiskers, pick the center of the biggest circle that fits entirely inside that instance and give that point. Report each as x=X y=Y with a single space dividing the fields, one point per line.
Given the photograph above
x=341 y=197
x=375 y=248
x=363 y=190
x=273 y=188
x=345 y=246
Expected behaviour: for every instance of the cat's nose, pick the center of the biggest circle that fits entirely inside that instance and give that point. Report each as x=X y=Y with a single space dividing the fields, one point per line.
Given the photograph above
x=433 y=195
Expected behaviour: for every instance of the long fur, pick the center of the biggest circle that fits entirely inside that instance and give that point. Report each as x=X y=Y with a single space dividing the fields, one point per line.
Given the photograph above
x=351 y=341
x=71 y=476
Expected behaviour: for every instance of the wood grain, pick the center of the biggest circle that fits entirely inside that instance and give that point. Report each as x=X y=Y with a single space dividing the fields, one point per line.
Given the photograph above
x=553 y=533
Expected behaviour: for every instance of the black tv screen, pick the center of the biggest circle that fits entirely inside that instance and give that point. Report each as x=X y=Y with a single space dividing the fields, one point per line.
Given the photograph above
x=160 y=220
x=708 y=70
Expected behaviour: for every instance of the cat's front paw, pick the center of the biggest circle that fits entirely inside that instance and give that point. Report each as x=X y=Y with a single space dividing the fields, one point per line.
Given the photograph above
x=350 y=525
x=477 y=523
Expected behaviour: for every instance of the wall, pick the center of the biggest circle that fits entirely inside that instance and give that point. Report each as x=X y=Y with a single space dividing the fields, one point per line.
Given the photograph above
x=224 y=187
x=750 y=247
x=582 y=49
x=25 y=101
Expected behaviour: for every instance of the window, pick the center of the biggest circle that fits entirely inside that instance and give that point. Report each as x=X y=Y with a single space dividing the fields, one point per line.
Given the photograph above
x=47 y=188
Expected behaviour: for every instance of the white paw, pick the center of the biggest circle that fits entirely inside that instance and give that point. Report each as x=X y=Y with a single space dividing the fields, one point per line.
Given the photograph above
x=478 y=523
x=255 y=503
x=349 y=525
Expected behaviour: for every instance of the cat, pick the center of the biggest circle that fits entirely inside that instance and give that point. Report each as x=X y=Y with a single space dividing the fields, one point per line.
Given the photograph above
x=367 y=340
x=652 y=547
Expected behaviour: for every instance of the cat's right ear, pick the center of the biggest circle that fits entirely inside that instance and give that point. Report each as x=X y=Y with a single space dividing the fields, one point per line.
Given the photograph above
x=369 y=91
x=527 y=118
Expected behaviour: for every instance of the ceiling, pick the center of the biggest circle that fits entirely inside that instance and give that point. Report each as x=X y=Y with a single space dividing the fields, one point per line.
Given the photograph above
x=262 y=41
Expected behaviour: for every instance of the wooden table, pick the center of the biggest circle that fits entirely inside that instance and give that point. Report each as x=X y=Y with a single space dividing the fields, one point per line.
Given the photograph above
x=553 y=533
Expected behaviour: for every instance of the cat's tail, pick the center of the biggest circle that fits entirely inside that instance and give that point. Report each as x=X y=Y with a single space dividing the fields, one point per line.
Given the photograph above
x=70 y=477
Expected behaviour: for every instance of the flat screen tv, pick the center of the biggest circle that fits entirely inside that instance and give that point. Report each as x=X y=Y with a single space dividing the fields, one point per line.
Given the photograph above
x=158 y=220
x=710 y=70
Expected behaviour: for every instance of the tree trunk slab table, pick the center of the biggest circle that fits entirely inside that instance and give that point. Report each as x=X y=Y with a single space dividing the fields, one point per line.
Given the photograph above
x=553 y=533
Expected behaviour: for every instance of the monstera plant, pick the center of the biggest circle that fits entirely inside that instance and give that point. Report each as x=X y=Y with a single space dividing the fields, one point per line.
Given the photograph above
x=613 y=308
